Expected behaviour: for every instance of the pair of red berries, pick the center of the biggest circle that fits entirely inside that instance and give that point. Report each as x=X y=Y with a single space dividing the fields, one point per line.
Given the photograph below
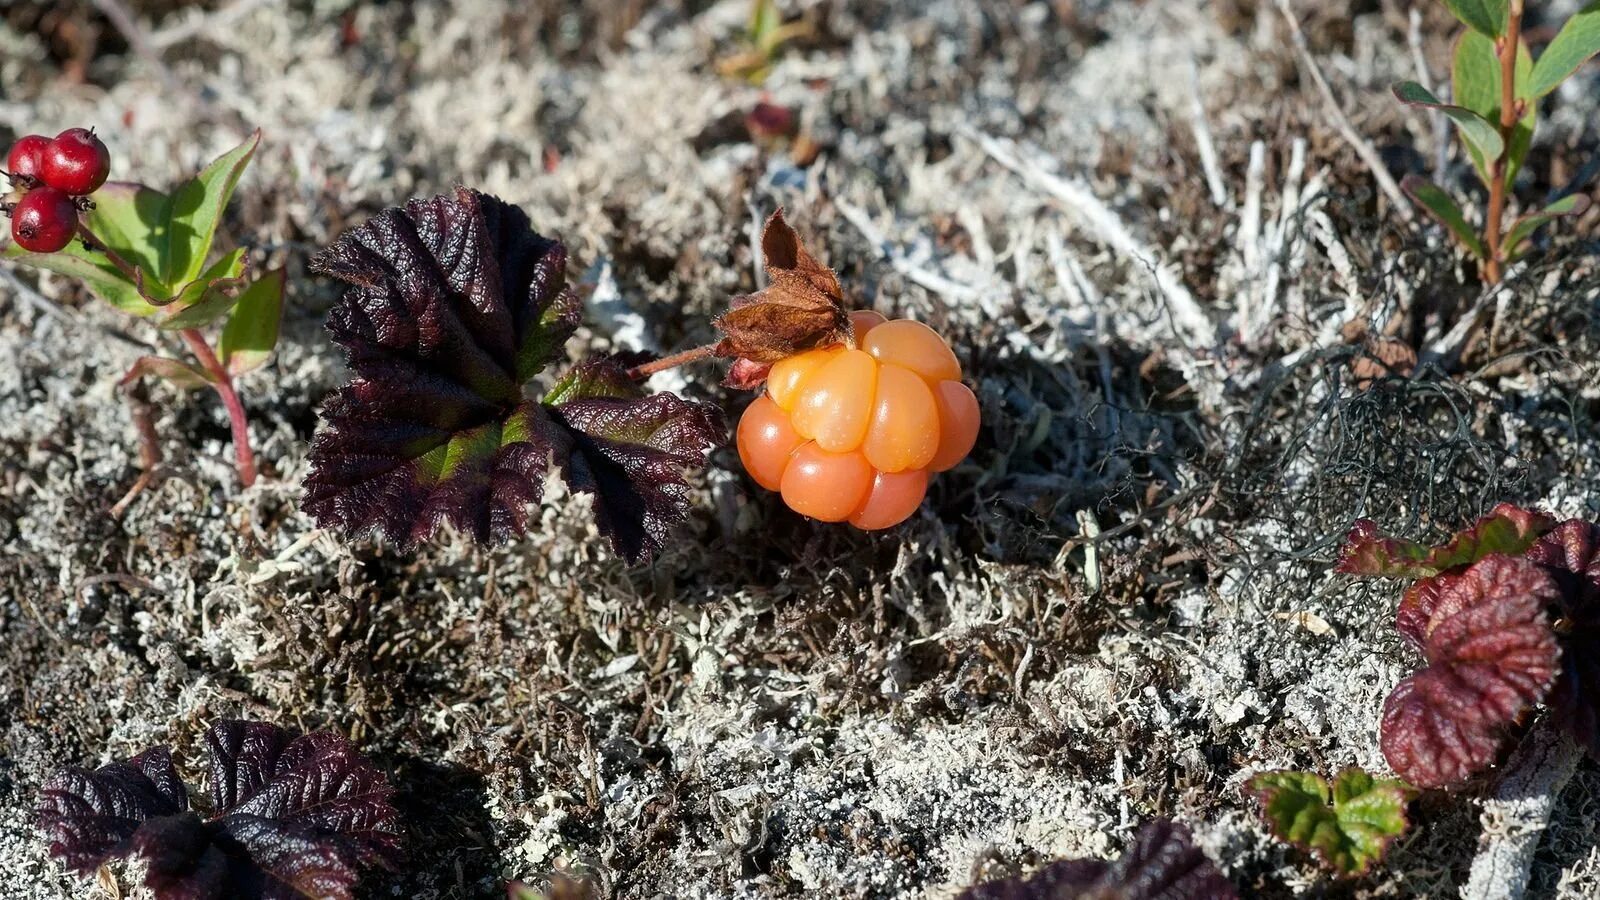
x=52 y=172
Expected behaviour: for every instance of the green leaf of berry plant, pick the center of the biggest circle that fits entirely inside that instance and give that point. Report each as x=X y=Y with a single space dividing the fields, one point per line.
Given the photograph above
x=1487 y=17
x=1444 y=210
x=196 y=212
x=131 y=219
x=1478 y=133
x=1577 y=41
x=1348 y=825
x=1524 y=227
x=252 y=329
x=455 y=305
x=1475 y=79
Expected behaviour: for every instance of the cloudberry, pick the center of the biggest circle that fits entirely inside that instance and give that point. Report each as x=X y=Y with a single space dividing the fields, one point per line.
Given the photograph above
x=851 y=434
x=44 y=221
x=27 y=155
x=75 y=162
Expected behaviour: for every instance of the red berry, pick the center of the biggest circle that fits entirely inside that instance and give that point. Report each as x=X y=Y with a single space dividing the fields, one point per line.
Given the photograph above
x=44 y=221
x=76 y=162
x=27 y=155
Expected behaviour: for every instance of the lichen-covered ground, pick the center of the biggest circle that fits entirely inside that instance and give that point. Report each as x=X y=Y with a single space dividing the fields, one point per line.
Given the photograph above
x=1136 y=220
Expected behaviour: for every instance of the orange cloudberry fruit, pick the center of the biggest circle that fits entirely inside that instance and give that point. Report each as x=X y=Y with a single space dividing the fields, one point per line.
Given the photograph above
x=852 y=434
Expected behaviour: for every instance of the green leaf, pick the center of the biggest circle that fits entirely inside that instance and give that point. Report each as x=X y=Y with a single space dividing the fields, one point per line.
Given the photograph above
x=1348 y=826
x=178 y=374
x=252 y=331
x=208 y=297
x=1432 y=198
x=196 y=211
x=1577 y=41
x=1483 y=16
x=1478 y=133
x=130 y=219
x=1523 y=228
x=1475 y=76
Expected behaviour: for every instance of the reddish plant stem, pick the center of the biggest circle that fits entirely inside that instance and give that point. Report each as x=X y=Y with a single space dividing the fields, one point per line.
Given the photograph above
x=638 y=373
x=1507 y=46
x=221 y=379
x=222 y=382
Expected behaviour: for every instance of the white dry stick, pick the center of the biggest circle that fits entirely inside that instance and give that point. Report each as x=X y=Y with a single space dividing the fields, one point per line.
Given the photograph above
x=1245 y=280
x=1516 y=816
x=1202 y=139
x=1364 y=150
x=933 y=281
x=1190 y=321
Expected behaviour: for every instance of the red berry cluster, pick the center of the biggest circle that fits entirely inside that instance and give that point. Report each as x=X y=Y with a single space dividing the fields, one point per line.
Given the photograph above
x=51 y=175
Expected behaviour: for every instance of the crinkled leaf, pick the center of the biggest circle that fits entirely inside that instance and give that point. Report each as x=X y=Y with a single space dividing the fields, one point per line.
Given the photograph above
x=1162 y=863
x=196 y=212
x=1475 y=72
x=1506 y=529
x=1577 y=41
x=1348 y=825
x=630 y=451
x=1491 y=655
x=1571 y=553
x=294 y=818
x=455 y=304
x=1444 y=210
x=1479 y=133
x=1525 y=226
x=90 y=817
x=252 y=330
x=799 y=310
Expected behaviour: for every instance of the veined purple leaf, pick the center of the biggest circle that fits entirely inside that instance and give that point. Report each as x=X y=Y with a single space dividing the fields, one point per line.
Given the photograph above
x=455 y=304
x=629 y=451
x=293 y=818
x=90 y=817
x=1506 y=529
x=1162 y=863
x=1571 y=553
x=1491 y=655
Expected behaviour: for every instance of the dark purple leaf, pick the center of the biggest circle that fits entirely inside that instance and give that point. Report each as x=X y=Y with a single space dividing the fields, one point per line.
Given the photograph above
x=1162 y=863
x=90 y=817
x=317 y=783
x=1506 y=529
x=630 y=451
x=455 y=304
x=1491 y=655
x=294 y=818
x=1571 y=553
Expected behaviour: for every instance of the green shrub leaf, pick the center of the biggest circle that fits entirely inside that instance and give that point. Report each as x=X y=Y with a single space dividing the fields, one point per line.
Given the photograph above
x=1432 y=198
x=178 y=374
x=208 y=297
x=1578 y=40
x=196 y=211
x=1523 y=228
x=252 y=331
x=1475 y=76
x=1479 y=133
x=131 y=219
x=1347 y=825
x=1486 y=17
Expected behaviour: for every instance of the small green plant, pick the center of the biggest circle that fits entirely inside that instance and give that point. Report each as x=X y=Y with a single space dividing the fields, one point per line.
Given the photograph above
x=150 y=254
x=766 y=34
x=1497 y=86
x=1348 y=824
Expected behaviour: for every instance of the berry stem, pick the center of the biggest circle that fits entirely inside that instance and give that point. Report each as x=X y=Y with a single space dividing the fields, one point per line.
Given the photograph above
x=221 y=379
x=222 y=382
x=641 y=372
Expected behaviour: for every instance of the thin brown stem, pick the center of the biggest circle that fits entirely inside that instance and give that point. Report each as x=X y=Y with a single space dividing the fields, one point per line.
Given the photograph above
x=1507 y=47
x=222 y=383
x=641 y=372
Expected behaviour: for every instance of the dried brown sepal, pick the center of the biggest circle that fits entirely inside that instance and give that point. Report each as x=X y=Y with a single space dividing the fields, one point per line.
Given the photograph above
x=800 y=309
